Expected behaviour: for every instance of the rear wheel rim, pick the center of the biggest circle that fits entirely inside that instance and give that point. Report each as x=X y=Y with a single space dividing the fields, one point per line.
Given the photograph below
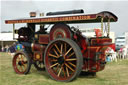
x=39 y=65
x=61 y=61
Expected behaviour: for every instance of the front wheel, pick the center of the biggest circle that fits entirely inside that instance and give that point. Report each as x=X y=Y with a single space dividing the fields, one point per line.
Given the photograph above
x=63 y=59
x=21 y=62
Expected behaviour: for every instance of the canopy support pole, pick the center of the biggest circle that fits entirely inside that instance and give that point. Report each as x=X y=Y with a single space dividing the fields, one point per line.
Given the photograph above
x=102 y=25
x=108 y=28
x=13 y=31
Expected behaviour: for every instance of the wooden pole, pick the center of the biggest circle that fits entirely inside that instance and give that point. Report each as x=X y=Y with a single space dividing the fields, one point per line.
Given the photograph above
x=13 y=31
x=108 y=28
x=102 y=25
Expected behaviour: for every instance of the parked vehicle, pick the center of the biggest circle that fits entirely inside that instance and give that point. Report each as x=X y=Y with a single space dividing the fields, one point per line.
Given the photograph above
x=120 y=42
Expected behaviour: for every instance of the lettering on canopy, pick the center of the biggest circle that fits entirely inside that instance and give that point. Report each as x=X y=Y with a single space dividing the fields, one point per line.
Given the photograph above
x=53 y=19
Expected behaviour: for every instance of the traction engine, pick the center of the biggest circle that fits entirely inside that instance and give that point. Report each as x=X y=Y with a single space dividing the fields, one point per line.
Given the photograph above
x=63 y=52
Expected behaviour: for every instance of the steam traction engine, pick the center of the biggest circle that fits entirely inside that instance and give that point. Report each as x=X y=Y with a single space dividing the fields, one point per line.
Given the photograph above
x=64 y=52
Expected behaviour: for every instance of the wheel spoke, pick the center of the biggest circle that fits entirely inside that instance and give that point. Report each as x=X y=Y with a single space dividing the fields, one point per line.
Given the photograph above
x=40 y=65
x=69 y=67
x=61 y=48
x=21 y=68
x=18 y=59
x=73 y=59
x=57 y=68
x=18 y=67
x=63 y=71
x=56 y=52
x=53 y=65
x=60 y=71
x=54 y=60
x=71 y=55
x=67 y=71
x=67 y=51
x=24 y=66
x=72 y=64
x=22 y=58
x=37 y=63
x=57 y=48
x=23 y=62
x=65 y=47
x=49 y=54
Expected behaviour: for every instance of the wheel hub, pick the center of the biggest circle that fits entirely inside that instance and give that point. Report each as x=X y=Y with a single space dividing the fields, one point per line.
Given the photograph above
x=59 y=36
x=20 y=63
x=61 y=60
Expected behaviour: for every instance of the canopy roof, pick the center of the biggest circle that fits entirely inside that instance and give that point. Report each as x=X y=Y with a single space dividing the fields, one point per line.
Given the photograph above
x=81 y=18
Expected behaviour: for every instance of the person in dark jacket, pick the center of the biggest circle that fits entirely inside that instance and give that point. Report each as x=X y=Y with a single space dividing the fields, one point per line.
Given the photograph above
x=12 y=49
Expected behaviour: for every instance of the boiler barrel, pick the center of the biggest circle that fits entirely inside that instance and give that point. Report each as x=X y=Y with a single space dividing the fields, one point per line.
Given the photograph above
x=65 y=12
x=33 y=46
x=26 y=44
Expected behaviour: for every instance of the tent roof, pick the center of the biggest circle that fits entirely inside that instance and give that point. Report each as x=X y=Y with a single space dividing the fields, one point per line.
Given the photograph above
x=6 y=37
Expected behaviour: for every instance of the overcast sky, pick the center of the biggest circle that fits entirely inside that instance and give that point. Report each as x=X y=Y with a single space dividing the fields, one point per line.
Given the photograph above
x=20 y=8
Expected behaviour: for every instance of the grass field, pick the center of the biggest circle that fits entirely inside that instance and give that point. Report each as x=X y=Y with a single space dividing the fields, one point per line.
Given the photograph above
x=115 y=73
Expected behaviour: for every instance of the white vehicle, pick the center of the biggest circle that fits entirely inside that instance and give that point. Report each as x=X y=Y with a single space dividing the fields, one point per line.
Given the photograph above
x=120 y=42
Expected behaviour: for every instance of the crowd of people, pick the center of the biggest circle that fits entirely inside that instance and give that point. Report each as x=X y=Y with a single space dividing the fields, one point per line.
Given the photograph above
x=12 y=48
x=4 y=48
x=112 y=55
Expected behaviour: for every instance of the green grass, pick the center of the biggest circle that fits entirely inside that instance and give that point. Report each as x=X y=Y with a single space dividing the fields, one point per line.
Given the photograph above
x=115 y=73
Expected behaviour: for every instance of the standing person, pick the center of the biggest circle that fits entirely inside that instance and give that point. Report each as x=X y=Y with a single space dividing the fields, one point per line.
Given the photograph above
x=12 y=49
x=124 y=52
x=2 y=49
x=19 y=47
x=113 y=55
x=7 y=47
x=107 y=55
x=120 y=52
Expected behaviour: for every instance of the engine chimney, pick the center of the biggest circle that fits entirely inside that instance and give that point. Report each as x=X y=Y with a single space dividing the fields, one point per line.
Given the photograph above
x=32 y=14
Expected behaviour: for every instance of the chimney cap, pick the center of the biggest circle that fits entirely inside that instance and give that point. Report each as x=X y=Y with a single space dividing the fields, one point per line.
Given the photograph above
x=32 y=14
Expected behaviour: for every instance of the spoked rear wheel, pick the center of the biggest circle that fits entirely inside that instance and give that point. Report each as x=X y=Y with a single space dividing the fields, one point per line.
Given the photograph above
x=21 y=63
x=39 y=65
x=63 y=59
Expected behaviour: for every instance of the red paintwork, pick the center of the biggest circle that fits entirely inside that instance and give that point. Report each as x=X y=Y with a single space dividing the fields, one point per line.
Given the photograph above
x=91 y=54
x=98 y=32
x=44 y=38
x=113 y=46
x=62 y=30
x=38 y=53
x=38 y=49
x=89 y=50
